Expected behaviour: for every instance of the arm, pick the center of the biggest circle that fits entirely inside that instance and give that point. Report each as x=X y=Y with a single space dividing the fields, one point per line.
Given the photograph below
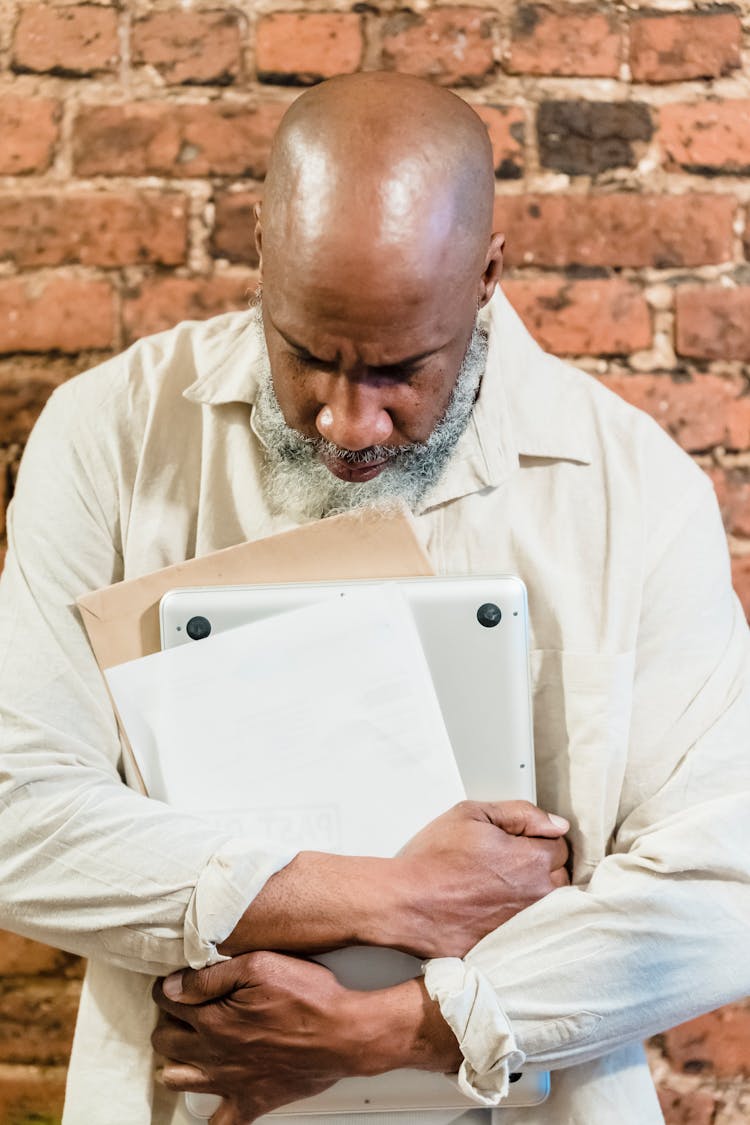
x=464 y=874
x=653 y=939
x=85 y=863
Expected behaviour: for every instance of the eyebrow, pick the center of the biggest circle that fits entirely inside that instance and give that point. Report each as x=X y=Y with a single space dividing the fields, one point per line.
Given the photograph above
x=399 y=364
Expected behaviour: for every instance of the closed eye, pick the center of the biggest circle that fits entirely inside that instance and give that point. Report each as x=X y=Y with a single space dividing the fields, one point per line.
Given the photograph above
x=375 y=375
x=310 y=360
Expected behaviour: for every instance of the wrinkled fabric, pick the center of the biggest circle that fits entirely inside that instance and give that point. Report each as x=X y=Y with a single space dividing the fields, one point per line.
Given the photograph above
x=639 y=668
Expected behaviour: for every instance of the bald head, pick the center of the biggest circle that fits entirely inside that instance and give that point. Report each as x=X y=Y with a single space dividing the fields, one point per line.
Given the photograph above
x=376 y=254
x=383 y=172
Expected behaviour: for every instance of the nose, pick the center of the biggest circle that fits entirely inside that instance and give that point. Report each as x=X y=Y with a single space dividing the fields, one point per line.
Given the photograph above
x=353 y=417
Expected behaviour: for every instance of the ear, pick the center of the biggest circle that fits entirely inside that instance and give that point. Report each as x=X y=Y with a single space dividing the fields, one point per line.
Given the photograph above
x=258 y=235
x=493 y=269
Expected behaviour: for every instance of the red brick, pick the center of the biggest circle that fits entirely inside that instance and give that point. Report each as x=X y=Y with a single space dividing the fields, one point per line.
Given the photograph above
x=713 y=323
x=20 y=956
x=697 y=1107
x=63 y=313
x=580 y=42
x=719 y=1042
x=26 y=382
x=192 y=47
x=707 y=136
x=699 y=414
x=305 y=47
x=71 y=40
x=741 y=582
x=162 y=302
x=31 y=1094
x=616 y=230
x=234 y=227
x=152 y=138
x=505 y=125
x=452 y=46
x=37 y=1018
x=29 y=130
x=733 y=493
x=673 y=46
x=95 y=228
x=608 y=317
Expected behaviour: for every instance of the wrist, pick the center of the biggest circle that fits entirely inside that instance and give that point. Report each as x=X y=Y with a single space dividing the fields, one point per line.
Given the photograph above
x=399 y=1027
x=396 y=921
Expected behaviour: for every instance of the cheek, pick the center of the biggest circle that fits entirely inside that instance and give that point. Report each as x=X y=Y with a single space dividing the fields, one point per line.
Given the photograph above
x=430 y=398
x=294 y=395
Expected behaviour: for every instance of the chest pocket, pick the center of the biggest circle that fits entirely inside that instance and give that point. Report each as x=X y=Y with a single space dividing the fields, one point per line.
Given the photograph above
x=582 y=704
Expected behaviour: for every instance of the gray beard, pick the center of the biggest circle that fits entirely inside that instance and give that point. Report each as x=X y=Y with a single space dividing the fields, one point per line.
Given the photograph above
x=298 y=484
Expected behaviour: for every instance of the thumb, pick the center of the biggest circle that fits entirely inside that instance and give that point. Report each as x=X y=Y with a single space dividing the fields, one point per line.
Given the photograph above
x=521 y=818
x=195 y=986
x=228 y=1114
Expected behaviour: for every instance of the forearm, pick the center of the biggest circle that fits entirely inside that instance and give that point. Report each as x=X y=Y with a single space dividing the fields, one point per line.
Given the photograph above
x=320 y=902
x=462 y=875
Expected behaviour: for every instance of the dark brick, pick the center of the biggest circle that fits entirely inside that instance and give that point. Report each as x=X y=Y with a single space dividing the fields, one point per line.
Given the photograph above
x=583 y=138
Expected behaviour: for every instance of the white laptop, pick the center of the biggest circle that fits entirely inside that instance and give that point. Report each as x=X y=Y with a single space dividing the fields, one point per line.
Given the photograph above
x=474 y=633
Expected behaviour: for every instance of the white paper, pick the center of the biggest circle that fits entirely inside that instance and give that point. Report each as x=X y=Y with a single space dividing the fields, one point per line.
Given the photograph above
x=317 y=729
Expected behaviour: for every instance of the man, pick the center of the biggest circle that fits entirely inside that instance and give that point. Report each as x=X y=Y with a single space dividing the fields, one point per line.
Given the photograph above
x=383 y=362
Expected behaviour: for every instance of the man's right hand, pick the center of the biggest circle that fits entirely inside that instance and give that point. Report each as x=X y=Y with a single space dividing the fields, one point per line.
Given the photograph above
x=462 y=876
x=472 y=869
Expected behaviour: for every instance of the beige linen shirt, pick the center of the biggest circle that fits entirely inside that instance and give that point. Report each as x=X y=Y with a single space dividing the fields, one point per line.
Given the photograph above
x=640 y=685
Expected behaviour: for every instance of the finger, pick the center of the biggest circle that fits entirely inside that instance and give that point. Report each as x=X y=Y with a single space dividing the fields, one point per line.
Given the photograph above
x=177 y=1043
x=558 y=851
x=521 y=818
x=181 y=1076
x=560 y=878
x=194 y=986
x=229 y=1114
x=165 y=1020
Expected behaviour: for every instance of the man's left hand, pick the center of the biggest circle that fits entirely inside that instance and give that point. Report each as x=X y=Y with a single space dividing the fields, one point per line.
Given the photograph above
x=262 y=1030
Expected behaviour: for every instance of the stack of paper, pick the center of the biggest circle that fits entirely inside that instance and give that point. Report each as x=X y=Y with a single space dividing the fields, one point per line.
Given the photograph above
x=317 y=729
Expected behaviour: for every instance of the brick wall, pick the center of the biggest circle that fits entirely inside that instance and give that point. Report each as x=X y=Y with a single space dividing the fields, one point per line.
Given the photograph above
x=133 y=143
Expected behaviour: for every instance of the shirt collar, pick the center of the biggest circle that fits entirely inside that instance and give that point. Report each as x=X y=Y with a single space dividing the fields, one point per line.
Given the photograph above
x=227 y=354
x=526 y=406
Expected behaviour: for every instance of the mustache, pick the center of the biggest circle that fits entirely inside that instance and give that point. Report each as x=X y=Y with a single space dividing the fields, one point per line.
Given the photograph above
x=328 y=450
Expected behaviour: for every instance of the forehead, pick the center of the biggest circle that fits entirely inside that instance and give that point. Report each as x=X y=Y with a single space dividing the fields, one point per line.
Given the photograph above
x=389 y=307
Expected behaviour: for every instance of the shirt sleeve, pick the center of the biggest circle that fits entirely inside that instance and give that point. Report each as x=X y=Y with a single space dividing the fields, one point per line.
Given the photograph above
x=87 y=864
x=654 y=938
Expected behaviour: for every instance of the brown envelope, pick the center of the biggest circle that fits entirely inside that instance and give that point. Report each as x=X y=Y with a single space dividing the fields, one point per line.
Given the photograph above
x=122 y=621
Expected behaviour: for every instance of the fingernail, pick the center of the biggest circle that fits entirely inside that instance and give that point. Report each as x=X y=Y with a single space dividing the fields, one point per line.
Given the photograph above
x=173 y=986
x=558 y=821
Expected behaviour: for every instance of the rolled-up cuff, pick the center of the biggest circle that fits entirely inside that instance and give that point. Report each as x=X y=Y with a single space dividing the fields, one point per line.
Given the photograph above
x=229 y=882
x=470 y=1006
